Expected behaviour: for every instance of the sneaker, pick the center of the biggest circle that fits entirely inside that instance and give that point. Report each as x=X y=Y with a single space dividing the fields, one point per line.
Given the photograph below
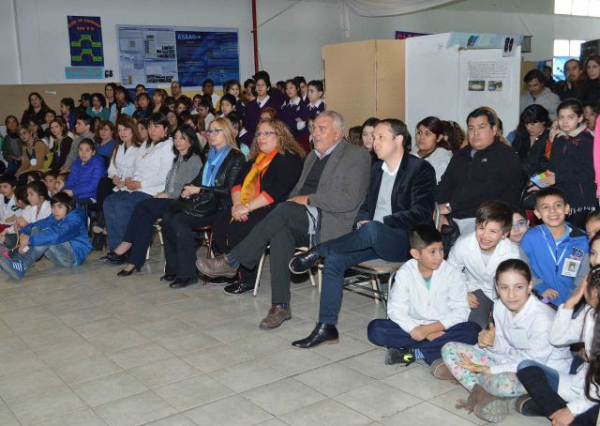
x=440 y=370
x=13 y=268
x=399 y=356
x=217 y=267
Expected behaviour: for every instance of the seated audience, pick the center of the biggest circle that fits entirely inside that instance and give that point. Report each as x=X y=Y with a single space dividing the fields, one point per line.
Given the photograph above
x=478 y=254
x=432 y=147
x=591 y=80
x=98 y=108
x=86 y=172
x=520 y=225
x=61 y=237
x=555 y=394
x=427 y=306
x=401 y=195
x=104 y=137
x=484 y=169
x=36 y=111
x=12 y=150
x=122 y=105
x=556 y=251
x=84 y=130
x=538 y=93
x=145 y=181
x=59 y=143
x=36 y=155
x=520 y=331
x=326 y=200
x=532 y=139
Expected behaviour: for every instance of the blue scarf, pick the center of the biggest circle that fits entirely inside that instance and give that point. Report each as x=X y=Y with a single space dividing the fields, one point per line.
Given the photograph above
x=213 y=163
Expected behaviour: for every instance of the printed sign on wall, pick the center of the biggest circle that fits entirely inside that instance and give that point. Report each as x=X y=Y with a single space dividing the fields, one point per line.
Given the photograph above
x=85 y=41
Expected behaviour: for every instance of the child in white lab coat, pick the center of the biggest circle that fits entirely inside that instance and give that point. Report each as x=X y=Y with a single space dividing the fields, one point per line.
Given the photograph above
x=520 y=331
x=427 y=307
x=560 y=396
x=478 y=255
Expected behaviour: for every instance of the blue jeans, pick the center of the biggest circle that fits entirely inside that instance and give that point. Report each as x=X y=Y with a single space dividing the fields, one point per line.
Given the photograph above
x=551 y=374
x=373 y=240
x=60 y=254
x=118 y=209
x=385 y=332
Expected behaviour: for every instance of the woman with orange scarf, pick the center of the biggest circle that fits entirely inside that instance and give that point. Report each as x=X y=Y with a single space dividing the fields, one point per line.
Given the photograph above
x=274 y=168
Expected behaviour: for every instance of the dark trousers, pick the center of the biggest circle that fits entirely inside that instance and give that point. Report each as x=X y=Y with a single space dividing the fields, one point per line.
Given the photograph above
x=180 y=244
x=141 y=227
x=105 y=188
x=541 y=386
x=385 y=332
x=227 y=234
x=373 y=240
x=285 y=228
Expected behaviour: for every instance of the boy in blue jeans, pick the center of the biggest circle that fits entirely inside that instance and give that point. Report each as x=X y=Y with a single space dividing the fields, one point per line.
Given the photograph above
x=556 y=251
x=61 y=237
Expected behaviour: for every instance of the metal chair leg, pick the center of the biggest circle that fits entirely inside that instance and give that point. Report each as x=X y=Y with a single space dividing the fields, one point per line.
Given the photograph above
x=258 y=274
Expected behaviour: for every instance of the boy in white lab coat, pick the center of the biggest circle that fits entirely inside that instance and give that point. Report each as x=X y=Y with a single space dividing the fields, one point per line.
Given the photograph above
x=8 y=205
x=479 y=253
x=427 y=306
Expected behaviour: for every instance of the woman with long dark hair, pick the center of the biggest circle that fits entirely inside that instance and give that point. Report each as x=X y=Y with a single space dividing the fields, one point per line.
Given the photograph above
x=36 y=111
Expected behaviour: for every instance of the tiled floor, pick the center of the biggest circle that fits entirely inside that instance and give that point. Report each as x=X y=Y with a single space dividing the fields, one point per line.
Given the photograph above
x=84 y=347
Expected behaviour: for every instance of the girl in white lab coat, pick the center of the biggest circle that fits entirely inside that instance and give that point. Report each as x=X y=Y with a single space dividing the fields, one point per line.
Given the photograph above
x=561 y=396
x=520 y=331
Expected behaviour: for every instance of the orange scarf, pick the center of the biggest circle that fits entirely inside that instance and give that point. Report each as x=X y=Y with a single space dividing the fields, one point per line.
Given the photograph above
x=251 y=185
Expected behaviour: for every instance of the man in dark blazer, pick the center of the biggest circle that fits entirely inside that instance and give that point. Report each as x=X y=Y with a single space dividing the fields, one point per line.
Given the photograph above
x=331 y=188
x=401 y=195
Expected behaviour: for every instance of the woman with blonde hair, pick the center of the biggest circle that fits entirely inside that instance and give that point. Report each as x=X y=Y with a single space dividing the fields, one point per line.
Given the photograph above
x=273 y=169
x=218 y=174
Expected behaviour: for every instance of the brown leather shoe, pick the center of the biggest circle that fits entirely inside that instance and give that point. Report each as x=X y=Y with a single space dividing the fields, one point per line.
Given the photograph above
x=217 y=267
x=275 y=317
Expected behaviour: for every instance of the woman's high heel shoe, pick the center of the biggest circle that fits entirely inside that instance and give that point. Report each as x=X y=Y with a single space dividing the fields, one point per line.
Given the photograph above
x=125 y=273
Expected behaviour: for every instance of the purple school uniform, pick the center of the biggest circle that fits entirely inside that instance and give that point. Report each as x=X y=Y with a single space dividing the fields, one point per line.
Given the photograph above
x=252 y=115
x=289 y=113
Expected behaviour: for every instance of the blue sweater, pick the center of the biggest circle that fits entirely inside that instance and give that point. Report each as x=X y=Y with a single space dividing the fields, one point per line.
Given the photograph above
x=83 y=179
x=72 y=229
x=106 y=149
x=537 y=243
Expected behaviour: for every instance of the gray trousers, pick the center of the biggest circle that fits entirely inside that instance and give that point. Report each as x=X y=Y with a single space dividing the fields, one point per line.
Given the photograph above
x=285 y=228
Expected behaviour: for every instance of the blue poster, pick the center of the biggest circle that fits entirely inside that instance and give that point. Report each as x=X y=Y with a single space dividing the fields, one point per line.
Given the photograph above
x=207 y=54
x=85 y=41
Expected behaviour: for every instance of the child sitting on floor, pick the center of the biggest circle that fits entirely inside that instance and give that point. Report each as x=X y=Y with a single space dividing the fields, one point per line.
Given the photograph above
x=557 y=252
x=520 y=331
x=61 y=237
x=427 y=307
x=479 y=253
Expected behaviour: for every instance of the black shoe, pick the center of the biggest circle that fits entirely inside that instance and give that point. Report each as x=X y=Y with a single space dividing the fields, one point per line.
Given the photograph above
x=114 y=258
x=223 y=280
x=302 y=262
x=168 y=278
x=238 y=288
x=183 y=282
x=323 y=333
x=399 y=356
x=124 y=273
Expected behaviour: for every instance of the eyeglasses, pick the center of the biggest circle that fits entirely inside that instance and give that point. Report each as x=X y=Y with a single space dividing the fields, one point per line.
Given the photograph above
x=215 y=132
x=521 y=223
x=259 y=134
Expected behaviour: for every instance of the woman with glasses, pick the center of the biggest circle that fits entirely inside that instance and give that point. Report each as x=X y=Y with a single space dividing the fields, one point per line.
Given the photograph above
x=219 y=172
x=273 y=169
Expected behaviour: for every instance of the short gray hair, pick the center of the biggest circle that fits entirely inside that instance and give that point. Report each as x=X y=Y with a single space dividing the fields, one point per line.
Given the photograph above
x=338 y=120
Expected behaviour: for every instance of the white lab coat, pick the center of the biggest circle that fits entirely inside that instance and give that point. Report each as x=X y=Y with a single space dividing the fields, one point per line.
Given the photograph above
x=535 y=321
x=565 y=331
x=7 y=209
x=412 y=305
x=466 y=256
x=152 y=166
x=122 y=165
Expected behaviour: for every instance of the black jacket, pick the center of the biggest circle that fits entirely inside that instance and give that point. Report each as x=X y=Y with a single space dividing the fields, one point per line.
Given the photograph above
x=225 y=178
x=591 y=91
x=532 y=156
x=279 y=179
x=492 y=173
x=413 y=195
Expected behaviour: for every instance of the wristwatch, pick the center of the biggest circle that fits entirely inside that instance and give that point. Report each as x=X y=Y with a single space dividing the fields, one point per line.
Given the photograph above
x=448 y=207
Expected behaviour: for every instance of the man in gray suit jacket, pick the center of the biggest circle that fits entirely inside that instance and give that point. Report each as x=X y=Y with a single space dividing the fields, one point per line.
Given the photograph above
x=323 y=205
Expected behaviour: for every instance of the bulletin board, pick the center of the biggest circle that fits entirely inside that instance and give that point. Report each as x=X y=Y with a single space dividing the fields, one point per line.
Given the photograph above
x=155 y=56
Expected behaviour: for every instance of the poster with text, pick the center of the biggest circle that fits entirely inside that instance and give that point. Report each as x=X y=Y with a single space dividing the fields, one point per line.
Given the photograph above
x=85 y=41
x=156 y=56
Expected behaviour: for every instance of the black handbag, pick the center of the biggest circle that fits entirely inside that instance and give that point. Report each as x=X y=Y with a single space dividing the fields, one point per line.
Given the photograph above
x=450 y=234
x=201 y=204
